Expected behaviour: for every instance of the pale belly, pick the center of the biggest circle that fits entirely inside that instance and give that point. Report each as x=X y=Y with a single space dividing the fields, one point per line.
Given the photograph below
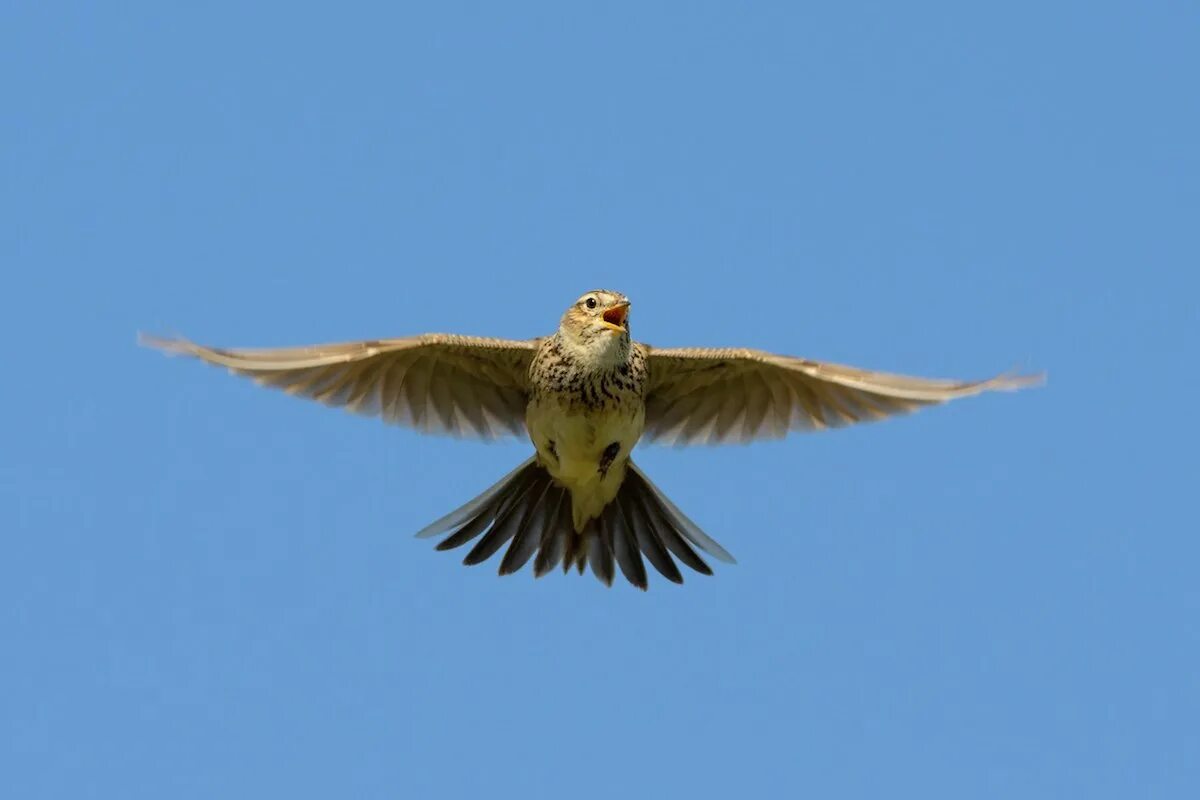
x=585 y=450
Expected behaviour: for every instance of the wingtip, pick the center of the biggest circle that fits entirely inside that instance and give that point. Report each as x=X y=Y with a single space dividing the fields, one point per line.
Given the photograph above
x=1014 y=380
x=172 y=345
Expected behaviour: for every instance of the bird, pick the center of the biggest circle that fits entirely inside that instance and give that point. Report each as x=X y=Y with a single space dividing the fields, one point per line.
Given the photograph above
x=584 y=395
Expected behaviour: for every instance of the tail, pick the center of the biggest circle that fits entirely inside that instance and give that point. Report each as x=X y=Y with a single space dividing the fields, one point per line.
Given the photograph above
x=527 y=508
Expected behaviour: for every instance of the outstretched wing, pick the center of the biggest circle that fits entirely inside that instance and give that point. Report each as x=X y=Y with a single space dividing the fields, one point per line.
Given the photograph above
x=437 y=383
x=713 y=396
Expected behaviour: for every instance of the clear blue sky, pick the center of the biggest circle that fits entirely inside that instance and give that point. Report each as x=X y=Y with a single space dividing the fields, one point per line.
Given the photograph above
x=210 y=590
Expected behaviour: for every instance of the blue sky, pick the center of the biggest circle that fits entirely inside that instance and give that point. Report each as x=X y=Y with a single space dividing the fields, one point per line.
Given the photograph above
x=210 y=590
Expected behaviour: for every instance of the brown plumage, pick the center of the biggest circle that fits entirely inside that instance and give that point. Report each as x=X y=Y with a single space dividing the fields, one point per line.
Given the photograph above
x=585 y=396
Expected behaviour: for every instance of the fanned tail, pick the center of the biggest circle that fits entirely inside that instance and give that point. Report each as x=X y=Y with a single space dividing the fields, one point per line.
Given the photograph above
x=531 y=513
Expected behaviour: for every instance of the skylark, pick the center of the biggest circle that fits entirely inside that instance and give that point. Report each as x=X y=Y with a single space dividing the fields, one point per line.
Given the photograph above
x=585 y=395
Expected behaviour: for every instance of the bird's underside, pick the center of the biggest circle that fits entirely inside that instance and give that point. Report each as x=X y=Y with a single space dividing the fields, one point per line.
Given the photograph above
x=604 y=393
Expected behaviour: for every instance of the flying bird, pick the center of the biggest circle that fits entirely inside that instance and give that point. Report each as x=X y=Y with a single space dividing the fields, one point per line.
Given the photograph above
x=584 y=395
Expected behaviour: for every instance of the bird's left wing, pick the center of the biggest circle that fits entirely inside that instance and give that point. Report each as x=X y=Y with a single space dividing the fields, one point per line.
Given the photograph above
x=437 y=383
x=713 y=396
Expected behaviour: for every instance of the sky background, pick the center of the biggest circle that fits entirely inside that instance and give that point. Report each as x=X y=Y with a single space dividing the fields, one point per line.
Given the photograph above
x=210 y=590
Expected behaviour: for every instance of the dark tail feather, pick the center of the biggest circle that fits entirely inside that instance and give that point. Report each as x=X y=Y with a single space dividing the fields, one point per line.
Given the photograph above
x=528 y=511
x=468 y=510
x=576 y=551
x=501 y=510
x=509 y=522
x=600 y=551
x=540 y=521
x=498 y=507
x=683 y=551
x=660 y=527
x=624 y=544
x=641 y=520
x=680 y=521
x=554 y=538
x=650 y=541
x=526 y=508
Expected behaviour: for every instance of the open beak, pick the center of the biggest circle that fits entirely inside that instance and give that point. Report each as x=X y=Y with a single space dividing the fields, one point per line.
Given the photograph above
x=615 y=317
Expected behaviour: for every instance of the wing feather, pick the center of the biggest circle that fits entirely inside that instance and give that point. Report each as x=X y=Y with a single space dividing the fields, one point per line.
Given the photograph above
x=708 y=396
x=439 y=383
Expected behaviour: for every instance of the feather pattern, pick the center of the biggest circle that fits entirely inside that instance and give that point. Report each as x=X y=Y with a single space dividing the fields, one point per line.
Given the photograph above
x=527 y=541
x=527 y=510
x=712 y=396
x=598 y=541
x=554 y=539
x=437 y=383
x=624 y=545
x=649 y=539
x=509 y=521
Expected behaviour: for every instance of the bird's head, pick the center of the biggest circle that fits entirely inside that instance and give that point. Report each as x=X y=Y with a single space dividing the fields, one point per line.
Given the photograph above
x=597 y=326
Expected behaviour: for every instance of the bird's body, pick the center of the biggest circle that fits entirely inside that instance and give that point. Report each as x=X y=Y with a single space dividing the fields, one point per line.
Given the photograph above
x=585 y=396
x=585 y=448
x=586 y=412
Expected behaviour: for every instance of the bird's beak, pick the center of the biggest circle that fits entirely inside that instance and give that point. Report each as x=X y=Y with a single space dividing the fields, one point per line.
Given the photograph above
x=615 y=317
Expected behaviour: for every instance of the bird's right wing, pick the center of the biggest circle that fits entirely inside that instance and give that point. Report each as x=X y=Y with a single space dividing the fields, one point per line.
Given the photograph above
x=713 y=396
x=437 y=383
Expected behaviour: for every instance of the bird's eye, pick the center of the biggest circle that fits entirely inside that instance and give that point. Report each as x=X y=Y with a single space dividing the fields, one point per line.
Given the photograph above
x=590 y=302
